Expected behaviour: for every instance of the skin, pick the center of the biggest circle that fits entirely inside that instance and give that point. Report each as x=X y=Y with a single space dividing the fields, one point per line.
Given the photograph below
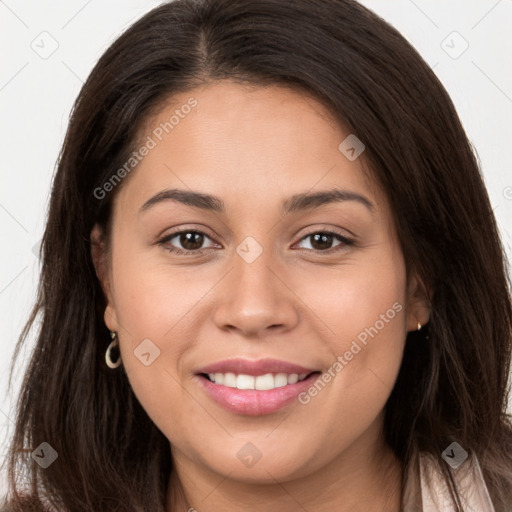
x=254 y=147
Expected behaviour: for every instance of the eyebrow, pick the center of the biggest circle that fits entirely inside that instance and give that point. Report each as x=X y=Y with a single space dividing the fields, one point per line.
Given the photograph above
x=298 y=202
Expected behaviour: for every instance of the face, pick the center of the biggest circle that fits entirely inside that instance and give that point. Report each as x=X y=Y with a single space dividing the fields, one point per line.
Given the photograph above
x=305 y=299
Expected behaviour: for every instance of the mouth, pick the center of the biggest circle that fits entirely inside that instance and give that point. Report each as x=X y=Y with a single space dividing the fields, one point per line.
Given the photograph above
x=255 y=388
x=265 y=382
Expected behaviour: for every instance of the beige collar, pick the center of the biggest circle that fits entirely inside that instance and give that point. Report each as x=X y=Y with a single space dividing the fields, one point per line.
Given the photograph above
x=432 y=494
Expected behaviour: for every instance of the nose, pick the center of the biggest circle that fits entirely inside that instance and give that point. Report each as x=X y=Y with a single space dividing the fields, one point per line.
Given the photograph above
x=256 y=297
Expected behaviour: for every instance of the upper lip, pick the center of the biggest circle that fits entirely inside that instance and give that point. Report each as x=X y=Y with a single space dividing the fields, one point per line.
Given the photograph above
x=254 y=367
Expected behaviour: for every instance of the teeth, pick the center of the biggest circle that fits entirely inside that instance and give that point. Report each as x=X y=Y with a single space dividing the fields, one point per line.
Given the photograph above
x=264 y=382
x=261 y=382
x=245 y=382
x=280 y=380
x=229 y=380
x=292 y=379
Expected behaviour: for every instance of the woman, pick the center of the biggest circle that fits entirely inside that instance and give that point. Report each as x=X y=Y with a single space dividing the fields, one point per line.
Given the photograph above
x=271 y=279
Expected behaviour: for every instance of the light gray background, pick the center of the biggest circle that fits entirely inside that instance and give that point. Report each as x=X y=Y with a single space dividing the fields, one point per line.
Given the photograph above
x=37 y=91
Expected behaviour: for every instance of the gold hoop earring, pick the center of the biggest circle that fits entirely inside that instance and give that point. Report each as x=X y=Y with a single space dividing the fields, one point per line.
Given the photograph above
x=113 y=344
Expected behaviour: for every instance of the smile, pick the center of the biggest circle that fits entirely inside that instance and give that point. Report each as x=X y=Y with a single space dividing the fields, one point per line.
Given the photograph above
x=254 y=387
x=260 y=382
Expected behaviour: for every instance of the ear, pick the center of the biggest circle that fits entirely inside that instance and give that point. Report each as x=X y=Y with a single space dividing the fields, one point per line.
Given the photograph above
x=100 y=259
x=419 y=300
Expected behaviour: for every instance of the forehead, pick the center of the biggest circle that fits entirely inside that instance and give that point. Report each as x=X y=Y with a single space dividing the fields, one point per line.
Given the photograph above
x=244 y=142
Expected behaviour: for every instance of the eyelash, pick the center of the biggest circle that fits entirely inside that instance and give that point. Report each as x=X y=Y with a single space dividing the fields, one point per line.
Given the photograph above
x=345 y=242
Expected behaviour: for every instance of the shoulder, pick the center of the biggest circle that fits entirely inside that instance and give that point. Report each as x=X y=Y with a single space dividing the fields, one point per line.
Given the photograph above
x=468 y=477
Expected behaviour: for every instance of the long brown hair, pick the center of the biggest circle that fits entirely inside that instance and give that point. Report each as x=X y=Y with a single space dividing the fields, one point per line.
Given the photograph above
x=451 y=386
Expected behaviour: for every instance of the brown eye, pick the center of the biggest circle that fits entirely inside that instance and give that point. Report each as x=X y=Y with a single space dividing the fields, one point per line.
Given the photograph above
x=322 y=241
x=191 y=242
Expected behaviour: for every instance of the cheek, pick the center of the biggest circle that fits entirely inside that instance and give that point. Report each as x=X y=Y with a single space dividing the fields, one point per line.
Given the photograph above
x=363 y=313
x=371 y=312
x=363 y=301
x=153 y=299
x=157 y=310
x=362 y=308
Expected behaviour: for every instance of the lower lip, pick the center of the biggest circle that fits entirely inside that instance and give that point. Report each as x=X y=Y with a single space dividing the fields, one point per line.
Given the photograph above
x=253 y=402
